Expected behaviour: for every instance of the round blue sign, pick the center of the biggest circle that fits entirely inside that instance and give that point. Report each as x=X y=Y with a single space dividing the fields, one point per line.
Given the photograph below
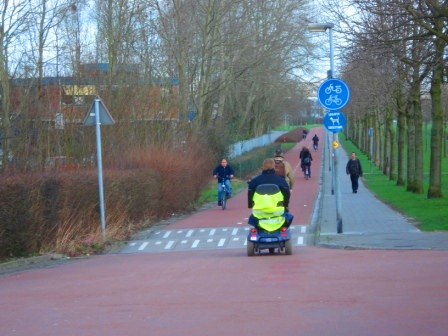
x=334 y=121
x=333 y=94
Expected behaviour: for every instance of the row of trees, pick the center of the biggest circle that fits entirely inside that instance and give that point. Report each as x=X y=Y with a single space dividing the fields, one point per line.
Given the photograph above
x=396 y=59
x=239 y=63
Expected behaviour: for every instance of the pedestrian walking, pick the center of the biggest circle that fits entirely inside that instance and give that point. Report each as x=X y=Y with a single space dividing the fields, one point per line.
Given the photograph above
x=354 y=169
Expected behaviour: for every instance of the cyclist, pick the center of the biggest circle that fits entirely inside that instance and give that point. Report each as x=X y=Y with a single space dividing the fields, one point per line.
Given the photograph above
x=269 y=210
x=304 y=133
x=315 y=141
x=283 y=168
x=305 y=159
x=221 y=172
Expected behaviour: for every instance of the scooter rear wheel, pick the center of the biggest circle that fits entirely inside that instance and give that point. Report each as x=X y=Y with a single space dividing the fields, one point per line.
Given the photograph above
x=288 y=247
x=250 y=249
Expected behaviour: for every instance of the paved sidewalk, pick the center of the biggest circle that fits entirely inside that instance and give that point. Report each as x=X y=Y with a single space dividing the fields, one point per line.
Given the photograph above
x=366 y=222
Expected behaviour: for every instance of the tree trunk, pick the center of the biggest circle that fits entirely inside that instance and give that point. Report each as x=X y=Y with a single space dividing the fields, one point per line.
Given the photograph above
x=6 y=104
x=435 y=171
x=418 y=122
x=410 y=147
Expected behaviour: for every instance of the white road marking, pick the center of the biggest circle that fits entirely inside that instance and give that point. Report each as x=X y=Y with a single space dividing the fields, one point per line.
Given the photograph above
x=239 y=223
x=142 y=246
x=217 y=238
x=168 y=246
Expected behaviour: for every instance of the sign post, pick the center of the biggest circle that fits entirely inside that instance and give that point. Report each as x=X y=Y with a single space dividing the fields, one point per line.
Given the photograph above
x=99 y=114
x=333 y=94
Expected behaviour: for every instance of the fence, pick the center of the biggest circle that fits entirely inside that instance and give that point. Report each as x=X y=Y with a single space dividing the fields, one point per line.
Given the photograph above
x=241 y=147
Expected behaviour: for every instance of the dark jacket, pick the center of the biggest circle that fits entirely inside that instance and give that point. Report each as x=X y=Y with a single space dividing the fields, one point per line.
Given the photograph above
x=354 y=167
x=268 y=177
x=304 y=155
x=315 y=139
x=223 y=172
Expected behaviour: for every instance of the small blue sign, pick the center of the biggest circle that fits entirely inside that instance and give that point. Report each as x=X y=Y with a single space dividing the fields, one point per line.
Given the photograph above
x=333 y=94
x=334 y=121
x=370 y=131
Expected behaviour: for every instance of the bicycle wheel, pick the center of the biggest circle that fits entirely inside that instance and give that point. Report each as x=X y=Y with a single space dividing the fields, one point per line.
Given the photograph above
x=224 y=199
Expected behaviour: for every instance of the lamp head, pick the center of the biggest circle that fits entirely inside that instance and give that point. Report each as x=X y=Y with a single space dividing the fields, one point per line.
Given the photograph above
x=320 y=27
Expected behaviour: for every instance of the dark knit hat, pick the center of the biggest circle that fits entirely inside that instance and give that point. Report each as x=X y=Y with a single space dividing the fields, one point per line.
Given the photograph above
x=278 y=152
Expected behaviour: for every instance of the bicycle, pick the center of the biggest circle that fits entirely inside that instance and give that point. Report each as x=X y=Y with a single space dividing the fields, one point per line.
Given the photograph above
x=225 y=194
x=306 y=168
x=306 y=171
x=315 y=146
x=333 y=99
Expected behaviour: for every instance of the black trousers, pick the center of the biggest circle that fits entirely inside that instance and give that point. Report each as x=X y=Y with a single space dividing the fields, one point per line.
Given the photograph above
x=354 y=179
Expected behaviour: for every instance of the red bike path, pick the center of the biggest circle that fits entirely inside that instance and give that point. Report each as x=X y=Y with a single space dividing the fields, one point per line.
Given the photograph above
x=301 y=205
x=315 y=291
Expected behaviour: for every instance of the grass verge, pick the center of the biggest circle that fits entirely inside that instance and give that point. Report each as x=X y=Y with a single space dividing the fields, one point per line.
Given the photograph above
x=428 y=214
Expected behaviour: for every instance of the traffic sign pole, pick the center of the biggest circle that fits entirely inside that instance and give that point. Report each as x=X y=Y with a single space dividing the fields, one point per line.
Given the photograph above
x=97 y=115
x=100 y=167
x=334 y=94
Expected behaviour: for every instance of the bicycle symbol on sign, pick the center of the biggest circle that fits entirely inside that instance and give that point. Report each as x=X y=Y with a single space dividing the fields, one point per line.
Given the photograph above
x=329 y=89
x=333 y=99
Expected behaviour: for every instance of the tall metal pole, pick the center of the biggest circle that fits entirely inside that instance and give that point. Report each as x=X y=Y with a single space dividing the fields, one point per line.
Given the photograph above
x=100 y=166
x=337 y=188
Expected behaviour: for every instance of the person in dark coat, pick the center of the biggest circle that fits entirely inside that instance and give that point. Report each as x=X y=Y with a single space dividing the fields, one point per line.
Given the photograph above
x=268 y=176
x=305 y=159
x=315 y=141
x=354 y=169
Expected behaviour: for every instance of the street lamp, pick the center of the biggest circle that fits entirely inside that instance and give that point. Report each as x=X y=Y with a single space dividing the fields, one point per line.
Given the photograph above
x=322 y=28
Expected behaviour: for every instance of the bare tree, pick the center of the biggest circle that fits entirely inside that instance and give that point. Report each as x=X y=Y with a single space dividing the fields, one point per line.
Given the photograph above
x=13 y=24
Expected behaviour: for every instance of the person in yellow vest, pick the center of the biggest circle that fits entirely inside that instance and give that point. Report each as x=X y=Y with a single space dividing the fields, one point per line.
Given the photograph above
x=268 y=197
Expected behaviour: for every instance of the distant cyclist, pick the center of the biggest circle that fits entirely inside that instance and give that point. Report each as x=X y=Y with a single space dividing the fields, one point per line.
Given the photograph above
x=315 y=141
x=304 y=133
x=223 y=172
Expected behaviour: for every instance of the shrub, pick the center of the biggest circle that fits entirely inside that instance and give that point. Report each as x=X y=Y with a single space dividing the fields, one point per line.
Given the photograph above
x=60 y=211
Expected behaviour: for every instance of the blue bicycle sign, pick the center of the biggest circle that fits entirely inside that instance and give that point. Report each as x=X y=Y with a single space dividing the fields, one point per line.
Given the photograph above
x=333 y=94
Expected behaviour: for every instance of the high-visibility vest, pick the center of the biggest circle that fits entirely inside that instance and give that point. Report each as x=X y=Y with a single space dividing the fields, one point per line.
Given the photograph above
x=268 y=209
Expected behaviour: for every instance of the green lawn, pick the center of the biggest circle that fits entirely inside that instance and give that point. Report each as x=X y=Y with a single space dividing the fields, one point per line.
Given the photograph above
x=428 y=214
